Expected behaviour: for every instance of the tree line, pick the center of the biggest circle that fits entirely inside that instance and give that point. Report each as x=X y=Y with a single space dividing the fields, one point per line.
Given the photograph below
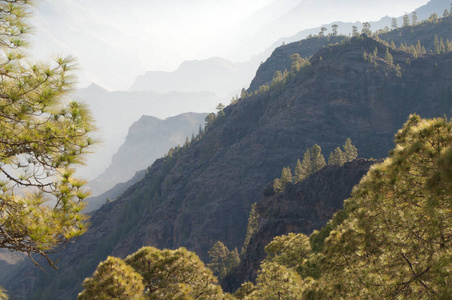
x=314 y=161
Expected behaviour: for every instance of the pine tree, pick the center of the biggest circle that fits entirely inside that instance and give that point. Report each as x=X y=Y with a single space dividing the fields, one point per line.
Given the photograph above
x=286 y=177
x=397 y=238
x=388 y=57
x=220 y=110
x=334 y=26
x=414 y=18
x=317 y=159
x=275 y=281
x=337 y=157
x=218 y=255
x=436 y=45
x=174 y=274
x=243 y=93
x=394 y=23
x=350 y=151
x=43 y=136
x=113 y=279
x=366 y=29
x=233 y=259
x=442 y=48
x=303 y=169
x=418 y=47
x=406 y=20
x=393 y=46
x=253 y=223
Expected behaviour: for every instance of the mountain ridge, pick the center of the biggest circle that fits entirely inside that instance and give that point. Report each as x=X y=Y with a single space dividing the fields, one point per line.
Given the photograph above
x=148 y=138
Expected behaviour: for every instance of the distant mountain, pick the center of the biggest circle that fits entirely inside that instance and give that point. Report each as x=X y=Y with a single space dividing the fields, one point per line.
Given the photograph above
x=203 y=193
x=115 y=112
x=215 y=75
x=149 y=138
x=345 y=28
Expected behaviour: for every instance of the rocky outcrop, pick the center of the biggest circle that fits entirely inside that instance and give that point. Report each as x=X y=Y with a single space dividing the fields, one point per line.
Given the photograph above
x=301 y=208
x=280 y=59
x=148 y=138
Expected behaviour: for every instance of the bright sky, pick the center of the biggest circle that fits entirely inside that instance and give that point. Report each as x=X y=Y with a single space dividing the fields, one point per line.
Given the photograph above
x=145 y=35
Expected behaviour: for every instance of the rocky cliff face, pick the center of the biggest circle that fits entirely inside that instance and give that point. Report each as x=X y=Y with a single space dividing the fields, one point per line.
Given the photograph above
x=148 y=139
x=204 y=193
x=280 y=59
x=301 y=208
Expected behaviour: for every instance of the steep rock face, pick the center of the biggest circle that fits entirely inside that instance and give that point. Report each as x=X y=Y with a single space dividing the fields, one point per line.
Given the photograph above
x=148 y=139
x=204 y=194
x=280 y=59
x=301 y=208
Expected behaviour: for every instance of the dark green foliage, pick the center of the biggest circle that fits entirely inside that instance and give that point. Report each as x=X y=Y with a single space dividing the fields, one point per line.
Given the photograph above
x=218 y=255
x=253 y=223
x=317 y=159
x=337 y=157
x=366 y=29
x=303 y=169
x=394 y=23
x=388 y=57
x=220 y=110
x=113 y=279
x=350 y=152
x=174 y=274
x=43 y=137
x=286 y=177
x=406 y=20
x=414 y=18
x=334 y=27
x=222 y=260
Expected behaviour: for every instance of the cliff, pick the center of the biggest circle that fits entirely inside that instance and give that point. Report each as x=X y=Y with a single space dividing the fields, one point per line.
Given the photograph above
x=301 y=208
x=147 y=139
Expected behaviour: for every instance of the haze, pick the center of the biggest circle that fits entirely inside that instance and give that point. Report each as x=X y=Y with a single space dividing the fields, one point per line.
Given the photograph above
x=117 y=40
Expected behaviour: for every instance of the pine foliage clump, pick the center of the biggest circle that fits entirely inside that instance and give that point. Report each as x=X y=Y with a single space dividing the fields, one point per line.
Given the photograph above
x=43 y=136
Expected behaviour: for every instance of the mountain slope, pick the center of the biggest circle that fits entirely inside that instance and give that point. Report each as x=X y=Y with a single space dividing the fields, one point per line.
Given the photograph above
x=148 y=139
x=301 y=208
x=204 y=192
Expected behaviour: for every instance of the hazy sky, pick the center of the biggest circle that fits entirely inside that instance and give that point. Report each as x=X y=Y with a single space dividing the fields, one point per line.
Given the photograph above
x=144 y=35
